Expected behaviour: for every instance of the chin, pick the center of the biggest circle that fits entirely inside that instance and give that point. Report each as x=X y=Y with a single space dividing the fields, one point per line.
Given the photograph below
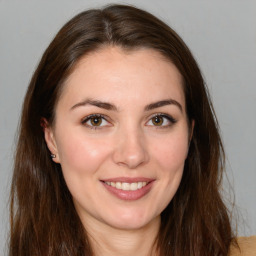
x=131 y=221
x=132 y=225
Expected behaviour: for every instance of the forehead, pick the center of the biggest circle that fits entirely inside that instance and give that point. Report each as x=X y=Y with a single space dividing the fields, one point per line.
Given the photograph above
x=113 y=72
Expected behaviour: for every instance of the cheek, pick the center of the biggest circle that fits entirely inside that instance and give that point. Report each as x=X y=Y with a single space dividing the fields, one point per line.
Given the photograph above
x=171 y=153
x=81 y=155
x=169 y=158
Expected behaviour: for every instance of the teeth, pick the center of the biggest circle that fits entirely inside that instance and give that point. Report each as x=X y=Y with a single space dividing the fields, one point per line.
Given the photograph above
x=134 y=186
x=118 y=185
x=127 y=186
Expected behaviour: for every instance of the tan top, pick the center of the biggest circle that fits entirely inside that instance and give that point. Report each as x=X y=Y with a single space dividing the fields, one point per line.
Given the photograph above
x=247 y=247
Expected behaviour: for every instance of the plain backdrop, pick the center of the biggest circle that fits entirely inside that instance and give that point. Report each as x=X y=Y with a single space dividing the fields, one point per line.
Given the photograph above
x=221 y=35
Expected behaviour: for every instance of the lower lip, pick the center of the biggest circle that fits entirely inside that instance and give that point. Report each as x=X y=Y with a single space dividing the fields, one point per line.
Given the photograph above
x=129 y=194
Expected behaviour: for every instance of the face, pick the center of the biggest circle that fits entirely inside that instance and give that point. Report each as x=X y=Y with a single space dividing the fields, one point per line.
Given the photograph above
x=121 y=136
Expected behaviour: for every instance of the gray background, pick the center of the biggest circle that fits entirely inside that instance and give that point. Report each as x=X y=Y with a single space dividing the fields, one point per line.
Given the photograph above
x=222 y=36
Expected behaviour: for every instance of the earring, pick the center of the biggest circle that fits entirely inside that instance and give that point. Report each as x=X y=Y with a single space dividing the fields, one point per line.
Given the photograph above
x=53 y=155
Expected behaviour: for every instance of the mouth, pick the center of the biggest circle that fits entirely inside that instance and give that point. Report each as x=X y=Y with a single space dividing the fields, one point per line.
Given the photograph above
x=127 y=188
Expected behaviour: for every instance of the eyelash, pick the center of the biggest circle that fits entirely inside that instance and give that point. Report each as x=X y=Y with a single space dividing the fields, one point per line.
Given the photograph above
x=88 y=118
x=168 y=117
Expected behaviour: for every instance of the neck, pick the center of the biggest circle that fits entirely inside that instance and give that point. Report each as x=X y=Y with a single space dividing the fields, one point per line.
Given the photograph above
x=109 y=241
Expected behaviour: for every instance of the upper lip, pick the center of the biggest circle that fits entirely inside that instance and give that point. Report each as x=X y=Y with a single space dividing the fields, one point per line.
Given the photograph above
x=128 y=179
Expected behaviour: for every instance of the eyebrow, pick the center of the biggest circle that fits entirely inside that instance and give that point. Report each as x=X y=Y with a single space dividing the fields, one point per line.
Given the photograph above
x=97 y=103
x=109 y=106
x=162 y=103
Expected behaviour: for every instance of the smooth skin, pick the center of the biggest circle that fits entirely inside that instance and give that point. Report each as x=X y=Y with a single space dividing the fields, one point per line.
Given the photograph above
x=130 y=136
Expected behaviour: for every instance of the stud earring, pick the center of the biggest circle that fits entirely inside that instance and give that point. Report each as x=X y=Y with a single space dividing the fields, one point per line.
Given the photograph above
x=53 y=156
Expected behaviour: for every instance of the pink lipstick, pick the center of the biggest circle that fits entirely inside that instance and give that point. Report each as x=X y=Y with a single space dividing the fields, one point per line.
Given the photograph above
x=126 y=188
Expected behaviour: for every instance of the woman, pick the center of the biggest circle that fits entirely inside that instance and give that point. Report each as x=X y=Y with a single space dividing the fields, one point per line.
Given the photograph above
x=119 y=151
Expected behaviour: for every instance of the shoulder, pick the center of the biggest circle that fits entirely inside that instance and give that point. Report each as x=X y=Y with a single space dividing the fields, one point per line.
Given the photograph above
x=247 y=247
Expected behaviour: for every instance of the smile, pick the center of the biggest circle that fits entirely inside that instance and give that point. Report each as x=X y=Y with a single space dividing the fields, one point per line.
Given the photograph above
x=127 y=186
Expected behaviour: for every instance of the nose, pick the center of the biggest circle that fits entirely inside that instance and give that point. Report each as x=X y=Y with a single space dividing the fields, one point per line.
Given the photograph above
x=130 y=150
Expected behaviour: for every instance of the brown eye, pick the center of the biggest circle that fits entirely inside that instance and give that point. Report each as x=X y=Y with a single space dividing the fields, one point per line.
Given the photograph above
x=95 y=121
x=157 y=120
x=161 y=120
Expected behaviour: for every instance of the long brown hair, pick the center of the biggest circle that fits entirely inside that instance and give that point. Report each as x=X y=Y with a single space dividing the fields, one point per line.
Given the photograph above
x=43 y=218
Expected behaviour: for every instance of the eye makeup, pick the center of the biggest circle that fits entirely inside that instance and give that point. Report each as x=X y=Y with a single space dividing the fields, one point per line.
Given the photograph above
x=161 y=120
x=99 y=121
x=95 y=121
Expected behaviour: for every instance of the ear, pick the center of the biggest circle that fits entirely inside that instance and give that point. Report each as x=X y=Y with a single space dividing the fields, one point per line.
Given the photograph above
x=50 y=140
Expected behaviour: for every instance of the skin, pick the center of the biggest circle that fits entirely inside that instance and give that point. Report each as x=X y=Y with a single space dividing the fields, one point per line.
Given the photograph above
x=126 y=144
